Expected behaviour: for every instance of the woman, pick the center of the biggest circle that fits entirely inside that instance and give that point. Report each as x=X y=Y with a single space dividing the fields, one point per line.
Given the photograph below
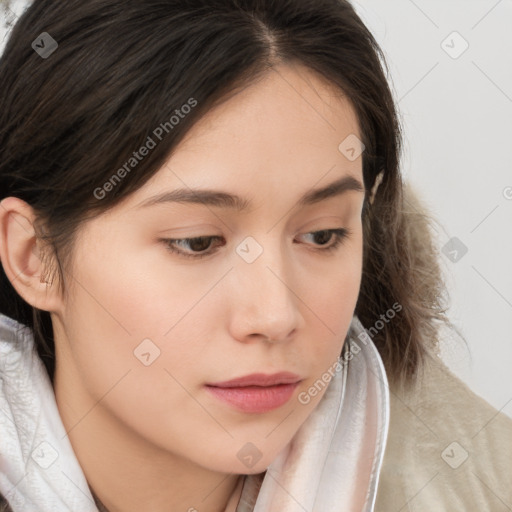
x=230 y=305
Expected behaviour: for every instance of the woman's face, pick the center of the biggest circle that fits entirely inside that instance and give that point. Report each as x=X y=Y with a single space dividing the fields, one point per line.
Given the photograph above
x=144 y=329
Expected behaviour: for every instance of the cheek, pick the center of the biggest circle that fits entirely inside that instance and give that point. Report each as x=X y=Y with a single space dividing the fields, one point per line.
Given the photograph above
x=330 y=302
x=116 y=324
x=133 y=307
x=135 y=290
x=332 y=293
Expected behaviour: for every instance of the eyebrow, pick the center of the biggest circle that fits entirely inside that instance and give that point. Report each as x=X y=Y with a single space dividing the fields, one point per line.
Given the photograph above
x=219 y=199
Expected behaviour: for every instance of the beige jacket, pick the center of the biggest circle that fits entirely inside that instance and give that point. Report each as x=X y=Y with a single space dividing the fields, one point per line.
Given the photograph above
x=447 y=450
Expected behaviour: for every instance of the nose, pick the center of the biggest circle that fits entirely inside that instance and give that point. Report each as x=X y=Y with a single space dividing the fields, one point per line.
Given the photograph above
x=264 y=304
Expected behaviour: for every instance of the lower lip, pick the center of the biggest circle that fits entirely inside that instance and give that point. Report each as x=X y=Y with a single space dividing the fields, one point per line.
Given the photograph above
x=255 y=399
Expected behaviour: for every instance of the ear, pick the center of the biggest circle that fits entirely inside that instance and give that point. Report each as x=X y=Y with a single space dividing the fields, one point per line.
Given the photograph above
x=21 y=255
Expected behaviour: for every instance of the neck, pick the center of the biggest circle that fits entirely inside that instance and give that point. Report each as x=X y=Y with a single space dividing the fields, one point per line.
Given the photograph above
x=231 y=506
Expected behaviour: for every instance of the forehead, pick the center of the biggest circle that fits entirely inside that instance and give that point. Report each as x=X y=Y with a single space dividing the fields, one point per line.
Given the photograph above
x=289 y=99
x=280 y=135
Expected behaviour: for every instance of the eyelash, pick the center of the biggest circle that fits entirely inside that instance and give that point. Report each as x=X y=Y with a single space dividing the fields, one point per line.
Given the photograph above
x=340 y=235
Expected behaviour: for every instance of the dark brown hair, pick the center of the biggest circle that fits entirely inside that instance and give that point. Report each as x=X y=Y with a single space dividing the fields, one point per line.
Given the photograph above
x=68 y=121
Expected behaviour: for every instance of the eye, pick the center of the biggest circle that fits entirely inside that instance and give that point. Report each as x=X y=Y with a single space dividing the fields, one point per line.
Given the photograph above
x=323 y=237
x=200 y=246
x=198 y=243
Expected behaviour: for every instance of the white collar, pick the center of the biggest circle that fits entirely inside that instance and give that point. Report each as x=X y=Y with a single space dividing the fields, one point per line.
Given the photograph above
x=321 y=469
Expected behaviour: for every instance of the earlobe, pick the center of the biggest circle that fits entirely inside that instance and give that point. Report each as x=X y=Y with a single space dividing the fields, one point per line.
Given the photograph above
x=21 y=255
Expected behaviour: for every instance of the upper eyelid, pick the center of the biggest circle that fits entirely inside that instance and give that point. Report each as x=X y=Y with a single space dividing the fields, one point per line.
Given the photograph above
x=188 y=238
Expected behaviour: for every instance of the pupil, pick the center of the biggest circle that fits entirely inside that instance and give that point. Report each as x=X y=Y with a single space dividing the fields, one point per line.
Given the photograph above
x=326 y=237
x=202 y=240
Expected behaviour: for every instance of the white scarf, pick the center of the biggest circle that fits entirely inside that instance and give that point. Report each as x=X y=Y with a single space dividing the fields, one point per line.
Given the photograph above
x=332 y=463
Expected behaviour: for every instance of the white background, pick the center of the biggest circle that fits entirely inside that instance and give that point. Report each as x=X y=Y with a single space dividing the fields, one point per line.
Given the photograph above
x=456 y=111
x=457 y=118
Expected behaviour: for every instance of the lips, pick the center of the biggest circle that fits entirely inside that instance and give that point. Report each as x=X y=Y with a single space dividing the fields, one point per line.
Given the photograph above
x=259 y=379
x=256 y=393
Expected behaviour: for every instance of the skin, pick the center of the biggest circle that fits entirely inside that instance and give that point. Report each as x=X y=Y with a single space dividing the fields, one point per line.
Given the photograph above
x=151 y=437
